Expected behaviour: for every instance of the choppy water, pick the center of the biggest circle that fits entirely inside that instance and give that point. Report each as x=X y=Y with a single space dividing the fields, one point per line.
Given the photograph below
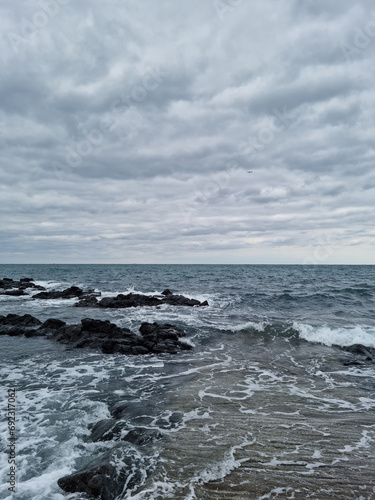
x=264 y=406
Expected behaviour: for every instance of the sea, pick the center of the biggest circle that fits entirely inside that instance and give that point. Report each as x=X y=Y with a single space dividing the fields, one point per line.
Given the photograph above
x=264 y=405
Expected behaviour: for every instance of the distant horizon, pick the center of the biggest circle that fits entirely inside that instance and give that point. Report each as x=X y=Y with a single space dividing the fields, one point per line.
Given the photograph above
x=171 y=264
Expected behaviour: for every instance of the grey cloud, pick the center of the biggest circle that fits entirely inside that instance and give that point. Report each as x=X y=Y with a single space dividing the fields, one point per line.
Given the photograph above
x=102 y=163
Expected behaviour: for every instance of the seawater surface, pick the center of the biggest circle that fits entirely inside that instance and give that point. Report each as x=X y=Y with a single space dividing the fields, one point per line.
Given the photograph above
x=262 y=407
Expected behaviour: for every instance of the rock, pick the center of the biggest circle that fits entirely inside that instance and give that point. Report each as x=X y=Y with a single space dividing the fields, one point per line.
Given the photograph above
x=67 y=334
x=129 y=300
x=361 y=350
x=15 y=320
x=90 y=301
x=15 y=293
x=180 y=300
x=106 y=430
x=16 y=288
x=15 y=325
x=141 y=436
x=52 y=324
x=106 y=476
x=69 y=293
x=97 y=334
x=139 y=300
x=102 y=328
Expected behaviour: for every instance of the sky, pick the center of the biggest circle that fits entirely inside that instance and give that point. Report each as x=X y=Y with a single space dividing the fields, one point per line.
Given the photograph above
x=189 y=131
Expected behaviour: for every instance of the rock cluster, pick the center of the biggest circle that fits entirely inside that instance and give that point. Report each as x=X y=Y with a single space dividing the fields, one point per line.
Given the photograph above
x=14 y=288
x=69 y=293
x=137 y=300
x=104 y=335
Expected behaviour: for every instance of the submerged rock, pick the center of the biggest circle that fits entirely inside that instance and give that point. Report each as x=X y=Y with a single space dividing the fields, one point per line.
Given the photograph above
x=106 y=430
x=105 y=477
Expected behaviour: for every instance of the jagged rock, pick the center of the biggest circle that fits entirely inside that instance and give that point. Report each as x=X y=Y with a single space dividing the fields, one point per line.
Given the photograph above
x=98 y=334
x=15 y=293
x=8 y=286
x=139 y=300
x=69 y=293
x=141 y=436
x=106 y=430
x=26 y=320
x=90 y=301
x=15 y=325
x=361 y=350
x=52 y=324
x=106 y=476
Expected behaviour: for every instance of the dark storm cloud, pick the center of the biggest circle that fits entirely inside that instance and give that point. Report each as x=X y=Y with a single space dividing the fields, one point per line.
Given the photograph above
x=128 y=130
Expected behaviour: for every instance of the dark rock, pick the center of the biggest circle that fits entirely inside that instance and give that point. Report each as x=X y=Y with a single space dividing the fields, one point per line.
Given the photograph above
x=353 y=362
x=8 y=285
x=97 y=334
x=106 y=476
x=101 y=328
x=360 y=350
x=15 y=293
x=106 y=430
x=69 y=293
x=90 y=301
x=139 y=300
x=67 y=334
x=14 y=319
x=180 y=300
x=52 y=324
x=129 y=300
x=141 y=436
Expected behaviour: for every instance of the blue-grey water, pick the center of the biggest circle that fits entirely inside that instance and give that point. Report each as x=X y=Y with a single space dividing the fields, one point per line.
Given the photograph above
x=267 y=408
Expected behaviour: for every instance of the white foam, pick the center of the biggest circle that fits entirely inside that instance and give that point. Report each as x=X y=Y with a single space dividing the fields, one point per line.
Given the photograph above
x=341 y=336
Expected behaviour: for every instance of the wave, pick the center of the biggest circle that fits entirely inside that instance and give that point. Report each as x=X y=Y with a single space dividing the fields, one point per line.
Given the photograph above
x=341 y=336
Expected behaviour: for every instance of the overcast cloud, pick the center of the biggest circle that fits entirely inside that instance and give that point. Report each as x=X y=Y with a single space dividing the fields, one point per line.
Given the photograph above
x=128 y=129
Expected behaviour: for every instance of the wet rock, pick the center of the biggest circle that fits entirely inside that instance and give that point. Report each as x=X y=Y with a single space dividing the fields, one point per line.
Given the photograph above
x=15 y=325
x=15 y=293
x=8 y=286
x=141 y=436
x=139 y=300
x=105 y=477
x=97 y=334
x=69 y=293
x=106 y=430
x=15 y=320
x=90 y=301
x=52 y=324
x=361 y=350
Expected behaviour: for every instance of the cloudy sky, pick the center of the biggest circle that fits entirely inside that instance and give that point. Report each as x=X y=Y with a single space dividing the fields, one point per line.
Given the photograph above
x=129 y=127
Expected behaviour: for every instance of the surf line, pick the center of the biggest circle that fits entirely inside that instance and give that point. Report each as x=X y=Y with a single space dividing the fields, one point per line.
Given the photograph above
x=11 y=445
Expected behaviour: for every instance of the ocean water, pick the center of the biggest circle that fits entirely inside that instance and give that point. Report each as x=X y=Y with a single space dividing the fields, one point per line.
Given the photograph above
x=263 y=405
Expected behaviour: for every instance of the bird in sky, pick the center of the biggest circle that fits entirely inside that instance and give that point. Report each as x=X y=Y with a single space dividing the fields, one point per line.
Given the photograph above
x=250 y=171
